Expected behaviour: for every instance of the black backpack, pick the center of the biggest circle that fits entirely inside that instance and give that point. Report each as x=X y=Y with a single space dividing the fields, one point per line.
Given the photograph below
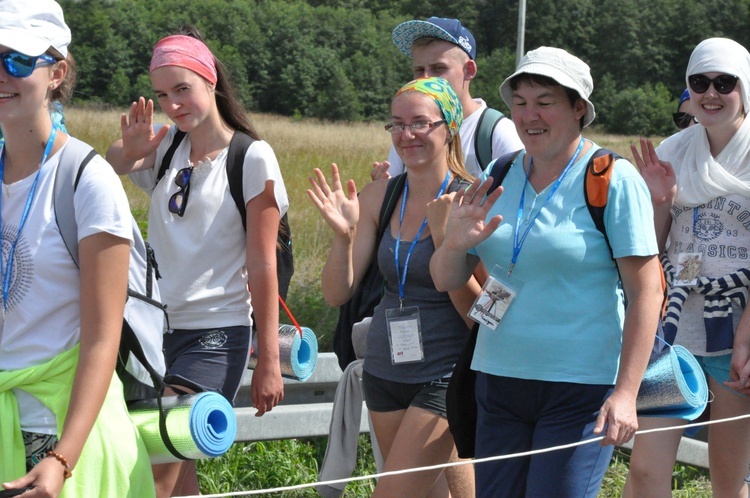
x=235 y=161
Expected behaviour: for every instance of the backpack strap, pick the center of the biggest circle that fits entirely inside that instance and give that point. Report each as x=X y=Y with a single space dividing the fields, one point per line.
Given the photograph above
x=483 y=137
x=395 y=185
x=499 y=169
x=167 y=159
x=235 y=161
x=596 y=187
x=74 y=158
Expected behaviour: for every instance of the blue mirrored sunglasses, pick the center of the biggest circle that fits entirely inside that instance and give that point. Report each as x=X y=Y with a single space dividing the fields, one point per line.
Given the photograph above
x=21 y=65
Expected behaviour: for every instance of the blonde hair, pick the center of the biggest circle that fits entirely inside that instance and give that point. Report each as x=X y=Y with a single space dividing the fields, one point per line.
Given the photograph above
x=456 y=163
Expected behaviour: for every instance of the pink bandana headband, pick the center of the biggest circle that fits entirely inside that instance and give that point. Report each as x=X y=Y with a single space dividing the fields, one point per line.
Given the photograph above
x=185 y=51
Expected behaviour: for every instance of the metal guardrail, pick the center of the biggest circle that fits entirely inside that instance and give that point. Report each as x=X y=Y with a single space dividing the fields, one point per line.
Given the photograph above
x=307 y=406
x=305 y=410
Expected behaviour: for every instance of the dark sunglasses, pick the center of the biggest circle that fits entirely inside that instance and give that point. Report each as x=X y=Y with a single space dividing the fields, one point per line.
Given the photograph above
x=683 y=119
x=724 y=83
x=178 y=201
x=20 y=65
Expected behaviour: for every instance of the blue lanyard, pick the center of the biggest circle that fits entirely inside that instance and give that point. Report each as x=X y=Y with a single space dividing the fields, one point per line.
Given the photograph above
x=518 y=241
x=402 y=278
x=24 y=216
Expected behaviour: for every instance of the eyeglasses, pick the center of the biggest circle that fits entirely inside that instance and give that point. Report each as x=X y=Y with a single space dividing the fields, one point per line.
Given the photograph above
x=418 y=127
x=21 y=65
x=724 y=83
x=178 y=201
x=683 y=119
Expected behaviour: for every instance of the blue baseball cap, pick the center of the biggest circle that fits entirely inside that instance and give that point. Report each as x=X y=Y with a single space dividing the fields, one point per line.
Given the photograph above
x=685 y=96
x=441 y=28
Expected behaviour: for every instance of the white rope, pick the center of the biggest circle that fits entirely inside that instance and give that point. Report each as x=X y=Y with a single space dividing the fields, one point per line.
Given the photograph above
x=456 y=464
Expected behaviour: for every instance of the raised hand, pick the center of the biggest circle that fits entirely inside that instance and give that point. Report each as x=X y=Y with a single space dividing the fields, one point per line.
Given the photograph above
x=339 y=209
x=380 y=170
x=659 y=175
x=466 y=225
x=138 y=137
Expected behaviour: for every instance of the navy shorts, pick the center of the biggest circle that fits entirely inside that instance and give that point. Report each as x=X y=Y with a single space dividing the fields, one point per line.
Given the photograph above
x=207 y=359
x=387 y=396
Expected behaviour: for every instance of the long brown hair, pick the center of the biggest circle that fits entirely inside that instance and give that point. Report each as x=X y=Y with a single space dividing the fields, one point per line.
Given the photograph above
x=230 y=108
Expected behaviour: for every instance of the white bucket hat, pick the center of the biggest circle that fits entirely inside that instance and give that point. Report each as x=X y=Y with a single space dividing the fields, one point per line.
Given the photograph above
x=33 y=26
x=555 y=63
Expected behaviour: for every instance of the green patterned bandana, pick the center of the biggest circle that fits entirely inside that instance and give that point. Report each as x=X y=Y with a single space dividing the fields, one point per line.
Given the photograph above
x=439 y=90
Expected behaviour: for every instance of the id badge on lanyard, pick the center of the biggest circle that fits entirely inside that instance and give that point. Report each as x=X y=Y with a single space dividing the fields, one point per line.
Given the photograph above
x=404 y=326
x=496 y=296
x=404 y=335
x=688 y=266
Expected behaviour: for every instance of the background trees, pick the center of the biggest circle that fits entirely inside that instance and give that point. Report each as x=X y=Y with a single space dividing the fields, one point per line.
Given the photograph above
x=333 y=59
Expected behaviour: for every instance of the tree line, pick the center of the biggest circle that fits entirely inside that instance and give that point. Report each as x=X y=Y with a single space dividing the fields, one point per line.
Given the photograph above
x=334 y=59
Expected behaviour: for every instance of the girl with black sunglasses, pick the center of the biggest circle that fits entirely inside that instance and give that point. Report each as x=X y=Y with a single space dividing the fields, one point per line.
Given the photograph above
x=207 y=261
x=64 y=426
x=700 y=187
x=684 y=118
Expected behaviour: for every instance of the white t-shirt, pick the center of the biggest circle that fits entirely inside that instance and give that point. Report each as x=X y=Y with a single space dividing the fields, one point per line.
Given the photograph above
x=721 y=236
x=201 y=255
x=43 y=318
x=504 y=140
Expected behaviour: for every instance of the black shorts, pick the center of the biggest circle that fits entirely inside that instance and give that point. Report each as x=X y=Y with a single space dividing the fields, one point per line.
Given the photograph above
x=387 y=396
x=207 y=359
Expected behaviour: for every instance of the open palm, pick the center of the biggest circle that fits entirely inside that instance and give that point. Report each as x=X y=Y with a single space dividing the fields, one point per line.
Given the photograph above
x=138 y=137
x=658 y=175
x=466 y=223
x=339 y=209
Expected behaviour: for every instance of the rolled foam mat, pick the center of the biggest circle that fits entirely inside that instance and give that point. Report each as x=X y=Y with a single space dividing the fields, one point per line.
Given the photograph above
x=199 y=426
x=298 y=355
x=674 y=386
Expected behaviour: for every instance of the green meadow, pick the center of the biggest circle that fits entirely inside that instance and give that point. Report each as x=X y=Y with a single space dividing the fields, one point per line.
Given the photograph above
x=300 y=146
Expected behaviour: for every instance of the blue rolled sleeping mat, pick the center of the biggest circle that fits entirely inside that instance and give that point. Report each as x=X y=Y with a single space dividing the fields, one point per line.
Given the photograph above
x=674 y=386
x=298 y=352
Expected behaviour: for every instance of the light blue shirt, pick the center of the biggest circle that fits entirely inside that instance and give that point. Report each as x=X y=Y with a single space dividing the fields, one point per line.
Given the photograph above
x=566 y=322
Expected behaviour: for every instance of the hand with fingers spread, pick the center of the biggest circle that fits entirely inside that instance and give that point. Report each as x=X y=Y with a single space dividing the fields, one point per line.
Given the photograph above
x=659 y=175
x=340 y=209
x=466 y=226
x=138 y=137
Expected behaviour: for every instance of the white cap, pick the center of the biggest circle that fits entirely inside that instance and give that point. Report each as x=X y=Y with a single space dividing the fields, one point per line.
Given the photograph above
x=555 y=63
x=33 y=26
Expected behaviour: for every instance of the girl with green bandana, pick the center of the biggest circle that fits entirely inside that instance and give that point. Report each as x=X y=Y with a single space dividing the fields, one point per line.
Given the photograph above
x=416 y=332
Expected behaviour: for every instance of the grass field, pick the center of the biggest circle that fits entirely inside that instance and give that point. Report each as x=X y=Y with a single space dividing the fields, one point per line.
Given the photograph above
x=301 y=146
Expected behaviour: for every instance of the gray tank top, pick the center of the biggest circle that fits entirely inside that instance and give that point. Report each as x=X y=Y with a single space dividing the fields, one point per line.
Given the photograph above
x=443 y=330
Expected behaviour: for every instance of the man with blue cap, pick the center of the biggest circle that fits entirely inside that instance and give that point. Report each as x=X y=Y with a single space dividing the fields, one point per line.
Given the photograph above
x=444 y=47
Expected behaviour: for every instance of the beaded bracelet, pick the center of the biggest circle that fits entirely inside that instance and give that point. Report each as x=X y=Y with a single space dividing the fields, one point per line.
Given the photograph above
x=67 y=473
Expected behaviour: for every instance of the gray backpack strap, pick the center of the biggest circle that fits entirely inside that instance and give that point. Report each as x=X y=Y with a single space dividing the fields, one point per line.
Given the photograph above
x=483 y=138
x=73 y=159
